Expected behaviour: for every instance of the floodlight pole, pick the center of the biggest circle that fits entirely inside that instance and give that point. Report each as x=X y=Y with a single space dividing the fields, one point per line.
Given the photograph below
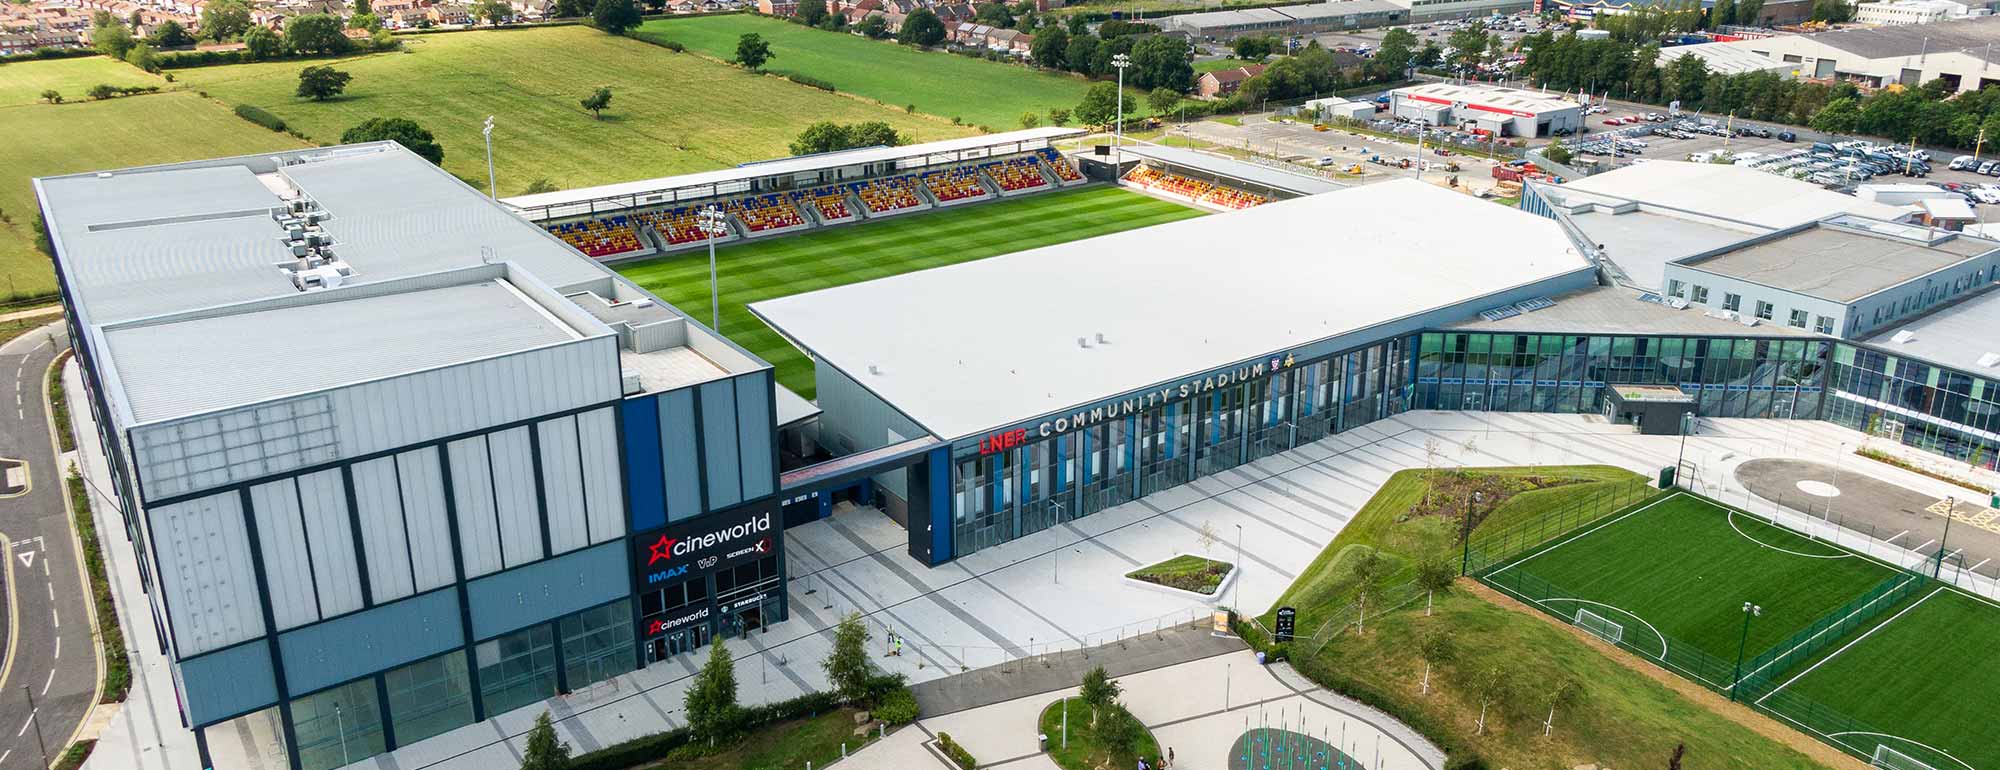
x=1749 y=611
x=712 y=226
x=492 y=190
x=1121 y=61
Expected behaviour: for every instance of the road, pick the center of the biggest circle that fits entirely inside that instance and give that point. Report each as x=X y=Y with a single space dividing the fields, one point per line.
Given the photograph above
x=51 y=657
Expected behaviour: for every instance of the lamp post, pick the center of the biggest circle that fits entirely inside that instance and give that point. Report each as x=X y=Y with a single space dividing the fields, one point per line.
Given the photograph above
x=1944 y=542
x=1121 y=61
x=1687 y=425
x=713 y=226
x=492 y=190
x=1749 y=611
x=1465 y=558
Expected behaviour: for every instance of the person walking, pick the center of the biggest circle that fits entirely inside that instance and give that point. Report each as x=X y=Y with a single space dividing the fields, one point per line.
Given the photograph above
x=1170 y=757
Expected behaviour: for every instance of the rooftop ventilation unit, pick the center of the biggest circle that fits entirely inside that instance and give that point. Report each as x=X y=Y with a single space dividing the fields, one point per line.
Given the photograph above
x=1989 y=360
x=1503 y=311
x=1903 y=337
x=1535 y=303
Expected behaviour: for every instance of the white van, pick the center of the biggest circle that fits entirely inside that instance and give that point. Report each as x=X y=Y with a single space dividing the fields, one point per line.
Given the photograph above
x=1964 y=162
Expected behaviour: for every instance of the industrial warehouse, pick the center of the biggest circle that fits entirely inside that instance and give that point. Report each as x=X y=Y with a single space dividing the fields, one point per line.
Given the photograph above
x=1487 y=108
x=396 y=460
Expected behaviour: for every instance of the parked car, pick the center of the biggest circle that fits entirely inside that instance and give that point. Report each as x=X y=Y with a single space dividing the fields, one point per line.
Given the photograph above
x=1787 y=136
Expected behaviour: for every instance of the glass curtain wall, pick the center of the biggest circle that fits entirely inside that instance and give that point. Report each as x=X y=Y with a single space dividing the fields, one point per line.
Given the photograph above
x=1567 y=373
x=429 y=697
x=1933 y=408
x=596 y=644
x=338 y=726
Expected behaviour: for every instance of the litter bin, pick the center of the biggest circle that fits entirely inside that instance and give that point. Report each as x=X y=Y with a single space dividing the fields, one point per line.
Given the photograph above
x=1667 y=477
x=1260 y=658
x=1045 y=741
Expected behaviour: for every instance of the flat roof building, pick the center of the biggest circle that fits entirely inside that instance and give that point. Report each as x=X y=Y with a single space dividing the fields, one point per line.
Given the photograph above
x=1287 y=20
x=1959 y=51
x=1499 y=109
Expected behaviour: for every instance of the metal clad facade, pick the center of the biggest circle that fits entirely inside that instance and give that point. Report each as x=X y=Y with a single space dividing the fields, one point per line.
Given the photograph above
x=719 y=439
x=227 y=683
x=204 y=567
x=603 y=492
x=472 y=496
x=330 y=533
x=421 y=475
x=753 y=428
x=378 y=502
x=346 y=647
x=562 y=484
x=679 y=450
x=513 y=475
x=287 y=563
x=535 y=593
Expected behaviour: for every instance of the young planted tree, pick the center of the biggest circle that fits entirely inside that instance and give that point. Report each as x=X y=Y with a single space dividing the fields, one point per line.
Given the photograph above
x=1489 y=684
x=1434 y=575
x=1368 y=568
x=1099 y=690
x=598 y=101
x=847 y=663
x=321 y=83
x=544 y=752
x=752 y=50
x=1436 y=648
x=711 y=699
x=1674 y=761
x=1566 y=692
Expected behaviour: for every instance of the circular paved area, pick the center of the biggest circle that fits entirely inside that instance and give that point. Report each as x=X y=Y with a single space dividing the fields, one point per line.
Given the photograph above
x=1890 y=512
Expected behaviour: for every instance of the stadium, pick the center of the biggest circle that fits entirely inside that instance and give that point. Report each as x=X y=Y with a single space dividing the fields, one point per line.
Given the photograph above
x=354 y=405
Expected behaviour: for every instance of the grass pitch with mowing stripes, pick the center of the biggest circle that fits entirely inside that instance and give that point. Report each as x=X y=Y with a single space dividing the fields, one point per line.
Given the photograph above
x=844 y=254
x=1926 y=675
x=1685 y=567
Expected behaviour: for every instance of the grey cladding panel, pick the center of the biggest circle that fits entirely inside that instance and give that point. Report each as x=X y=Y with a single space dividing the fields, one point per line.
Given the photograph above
x=753 y=428
x=381 y=637
x=562 y=484
x=286 y=556
x=228 y=682
x=547 y=589
x=378 y=502
x=330 y=532
x=472 y=496
x=421 y=474
x=677 y=451
x=514 y=496
x=205 y=571
x=603 y=482
x=718 y=435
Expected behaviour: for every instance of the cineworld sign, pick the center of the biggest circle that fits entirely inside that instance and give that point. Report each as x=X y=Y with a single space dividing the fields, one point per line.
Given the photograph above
x=703 y=545
x=1008 y=439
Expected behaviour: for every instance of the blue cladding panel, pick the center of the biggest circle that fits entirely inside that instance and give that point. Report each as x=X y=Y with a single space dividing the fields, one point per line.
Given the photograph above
x=548 y=589
x=940 y=470
x=643 y=483
x=718 y=443
x=326 y=654
x=683 y=472
x=230 y=682
x=753 y=428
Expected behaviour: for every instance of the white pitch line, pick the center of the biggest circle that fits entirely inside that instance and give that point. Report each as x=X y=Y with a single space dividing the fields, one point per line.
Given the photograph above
x=1857 y=640
x=49 y=681
x=3 y=756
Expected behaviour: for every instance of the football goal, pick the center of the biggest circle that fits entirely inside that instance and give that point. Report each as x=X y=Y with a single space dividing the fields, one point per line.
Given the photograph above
x=1599 y=626
x=1890 y=759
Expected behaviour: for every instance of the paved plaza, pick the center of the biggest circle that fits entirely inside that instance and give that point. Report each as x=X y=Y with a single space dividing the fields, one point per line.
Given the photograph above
x=1056 y=590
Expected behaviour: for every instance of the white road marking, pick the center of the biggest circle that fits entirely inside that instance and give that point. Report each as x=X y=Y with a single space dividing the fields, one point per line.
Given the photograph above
x=1926 y=544
x=24 y=725
x=1982 y=563
x=3 y=756
x=58 y=647
x=1896 y=536
x=49 y=681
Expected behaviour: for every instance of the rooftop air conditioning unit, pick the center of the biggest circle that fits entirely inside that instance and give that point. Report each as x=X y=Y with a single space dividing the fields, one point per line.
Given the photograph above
x=1989 y=360
x=1677 y=303
x=1746 y=320
x=629 y=378
x=1903 y=337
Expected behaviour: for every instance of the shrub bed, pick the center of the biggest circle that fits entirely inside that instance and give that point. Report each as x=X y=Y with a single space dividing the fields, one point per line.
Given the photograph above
x=260 y=116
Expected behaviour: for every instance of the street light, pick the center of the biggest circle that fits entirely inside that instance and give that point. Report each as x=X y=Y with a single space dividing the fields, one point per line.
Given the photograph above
x=713 y=224
x=1121 y=61
x=1687 y=425
x=487 y=131
x=1749 y=611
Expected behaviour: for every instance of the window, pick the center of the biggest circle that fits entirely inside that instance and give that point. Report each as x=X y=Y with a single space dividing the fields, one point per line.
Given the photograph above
x=1798 y=319
x=338 y=725
x=429 y=697
x=1764 y=310
x=1824 y=325
x=1676 y=289
x=517 y=669
x=1732 y=301
x=1701 y=295
x=597 y=644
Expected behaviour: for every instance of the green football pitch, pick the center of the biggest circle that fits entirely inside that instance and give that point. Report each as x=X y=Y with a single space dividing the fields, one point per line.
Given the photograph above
x=1923 y=682
x=818 y=259
x=1682 y=567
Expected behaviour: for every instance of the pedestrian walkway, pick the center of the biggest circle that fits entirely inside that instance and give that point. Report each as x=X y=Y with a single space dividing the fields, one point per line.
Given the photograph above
x=1168 y=646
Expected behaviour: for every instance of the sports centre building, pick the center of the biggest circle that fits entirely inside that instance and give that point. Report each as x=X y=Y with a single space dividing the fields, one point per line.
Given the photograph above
x=394 y=459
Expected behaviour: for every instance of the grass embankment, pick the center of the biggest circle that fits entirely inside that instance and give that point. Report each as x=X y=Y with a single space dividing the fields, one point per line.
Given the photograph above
x=1086 y=749
x=975 y=91
x=835 y=256
x=670 y=113
x=59 y=405
x=110 y=636
x=1621 y=716
x=1187 y=573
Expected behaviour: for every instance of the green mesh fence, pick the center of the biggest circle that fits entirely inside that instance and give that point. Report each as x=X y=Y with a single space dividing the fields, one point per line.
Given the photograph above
x=1760 y=673
x=1490 y=550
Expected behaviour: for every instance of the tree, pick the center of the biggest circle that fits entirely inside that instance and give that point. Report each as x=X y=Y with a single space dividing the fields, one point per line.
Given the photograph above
x=1840 y=116
x=224 y=19
x=170 y=34
x=1434 y=575
x=873 y=133
x=1565 y=692
x=614 y=16
x=262 y=43
x=52 y=96
x=1436 y=648
x=402 y=131
x=995 y=14
x=141 y=55
x=102 y=91
x=874 y=26
x=1058 y=117
x=1399 y=45
x=1030 y=120
x=1831 y=11
x=1099 y=690
x=1674 y=760
x=1368 y=568
x=1556 y=153
x=1723 y=13
x=322 y=83
x=367 y=21
x=847 y=665
x=711 y=699
x=810 y=12
x=112 y=39
x=1100 y=105
x=1162 y=100
x=494 y=12
x=823 y=136
x=315 y=33
x=1750 y=13
x=1256 y=47
x=597 y=101
x=1161 y=61
x=1120 y=733
x=921 y=28
x=362 y=6
x=544 y=752
x=1049 y=47
x=752 y=50
x=570 y=9
x=1468 y=46
x=539 y=185
x=1488 y=684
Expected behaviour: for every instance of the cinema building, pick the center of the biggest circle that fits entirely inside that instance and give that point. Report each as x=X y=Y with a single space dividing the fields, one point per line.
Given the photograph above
x=393 y=460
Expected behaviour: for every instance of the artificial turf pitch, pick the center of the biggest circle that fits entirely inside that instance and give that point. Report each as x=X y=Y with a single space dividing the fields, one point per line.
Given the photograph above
x=1918 y=676
x=843 y=254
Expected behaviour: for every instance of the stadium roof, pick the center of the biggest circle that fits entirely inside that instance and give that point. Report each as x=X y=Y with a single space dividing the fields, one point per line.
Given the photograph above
x=1727 y=192
x=1263 y=176
x=1957 y=335
x=974 y=346
x=1034 y=137
x=1844 y=258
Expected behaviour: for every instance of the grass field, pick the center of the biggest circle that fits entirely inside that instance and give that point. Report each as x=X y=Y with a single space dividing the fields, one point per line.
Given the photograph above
x=851 y=253
x=670 y=113
x=944 y=84
x=44 y=140
x=1683 y=567
x=1224 y=63
x=1928 y=670
x=24 y=82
